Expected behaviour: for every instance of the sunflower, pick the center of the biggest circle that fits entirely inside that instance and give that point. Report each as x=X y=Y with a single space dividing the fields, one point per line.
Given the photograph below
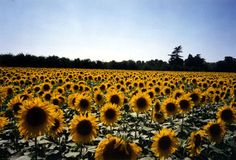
x=195 y=96
x=185 y=104
x=215 y=131
x=46 y=86
x=83 y=129
x=110 y=113
x=157 y=105
x=3 y=122
x=164 y=143
x=178 y=93
x=166 y=91
x=82 y=103
x=169 y=106
x=15 y=104
x=99 y=98
x=115 y=97
x=115 y=148
x=140 y=102
x=35 y=118
x=194 y=142
x=72 y=100
x=58 y=124
x=55 y=100
x=47 y=96
x=158 y=116
x=227 y=114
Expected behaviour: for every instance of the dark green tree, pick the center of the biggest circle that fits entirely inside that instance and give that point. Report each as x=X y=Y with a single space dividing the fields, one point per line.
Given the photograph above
x=176 y=62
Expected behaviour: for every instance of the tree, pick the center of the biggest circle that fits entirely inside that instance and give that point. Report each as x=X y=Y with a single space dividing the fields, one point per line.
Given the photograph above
x=176 y=62
x=195 y=63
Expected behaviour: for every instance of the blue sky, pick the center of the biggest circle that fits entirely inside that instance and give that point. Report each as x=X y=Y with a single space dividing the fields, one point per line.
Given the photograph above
x=118 y=29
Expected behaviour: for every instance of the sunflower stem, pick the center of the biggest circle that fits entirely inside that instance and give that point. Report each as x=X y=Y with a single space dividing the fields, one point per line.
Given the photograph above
x=136 y=127
x=151 y=114
x=36 y=148
x=81 y=151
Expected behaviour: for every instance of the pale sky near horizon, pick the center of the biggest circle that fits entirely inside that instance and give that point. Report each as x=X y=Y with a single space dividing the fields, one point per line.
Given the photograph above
x=118 y=29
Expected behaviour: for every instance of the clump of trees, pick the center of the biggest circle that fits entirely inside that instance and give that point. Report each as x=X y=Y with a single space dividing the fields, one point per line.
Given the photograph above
x=175 y=63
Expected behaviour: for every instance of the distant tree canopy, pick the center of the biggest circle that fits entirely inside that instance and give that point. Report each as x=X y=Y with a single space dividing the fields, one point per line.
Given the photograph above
x=175 y=63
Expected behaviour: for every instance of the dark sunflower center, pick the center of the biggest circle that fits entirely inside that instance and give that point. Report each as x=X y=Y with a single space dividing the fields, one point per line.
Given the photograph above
x=48 y=97
x=227 y=115
x=73 y=101
x=56 y=124
x=110 y=114
x=36 y=89
x=99 y=97
x=184 y=104
x=55 y=101
x=217 y=98
x=46 y=87
x=84 y=127
x=157 y=90
x=76 y=87
x=84 y=103
x=215 y=130
x=60 y=90
x=164 y=143
x=197 y=140
x=115 y=99
x=36 y=116
x=114 y=152
x=194 y=97
x=157 y=107
x=151 y=94
x=16 y=107
x=25 y=97
x=141 y=103
x=170 y=107
x=177 y=95
x=167 y=91
x=158 y=115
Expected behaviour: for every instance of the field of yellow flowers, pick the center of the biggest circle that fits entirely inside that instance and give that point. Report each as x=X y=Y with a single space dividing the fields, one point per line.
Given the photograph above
x=116 y=114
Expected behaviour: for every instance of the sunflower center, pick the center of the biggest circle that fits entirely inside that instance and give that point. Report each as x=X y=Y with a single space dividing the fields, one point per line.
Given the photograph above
x=25 y=97
x=151 y=94
x=46 y=87
x=84 y=127
x=157 y=107
x=170 y=107
x=48 y=97
x=197 y=140
x=75 y=87
x=112 y=151
x=99 y=97
x=56 y=124
x=110 y=114
x=36 y=116
x=115 y=99
x=55 y=101
x=194 y=97
x=141 y=102
x=158 y=115
x=16 y=107
x=184 y=104
x=226 y=115
x=177 y=95
x=215 y=130
x=84 y=103
x=73 y=101
x=164 y=143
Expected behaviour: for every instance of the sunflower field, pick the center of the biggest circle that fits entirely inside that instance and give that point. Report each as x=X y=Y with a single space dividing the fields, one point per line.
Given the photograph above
x=115 y=114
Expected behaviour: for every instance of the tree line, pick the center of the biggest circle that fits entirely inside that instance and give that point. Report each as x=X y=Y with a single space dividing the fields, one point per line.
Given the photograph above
x=175 y=63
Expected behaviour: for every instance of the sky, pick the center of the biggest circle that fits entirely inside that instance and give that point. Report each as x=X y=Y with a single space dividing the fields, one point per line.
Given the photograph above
x=118 y=29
